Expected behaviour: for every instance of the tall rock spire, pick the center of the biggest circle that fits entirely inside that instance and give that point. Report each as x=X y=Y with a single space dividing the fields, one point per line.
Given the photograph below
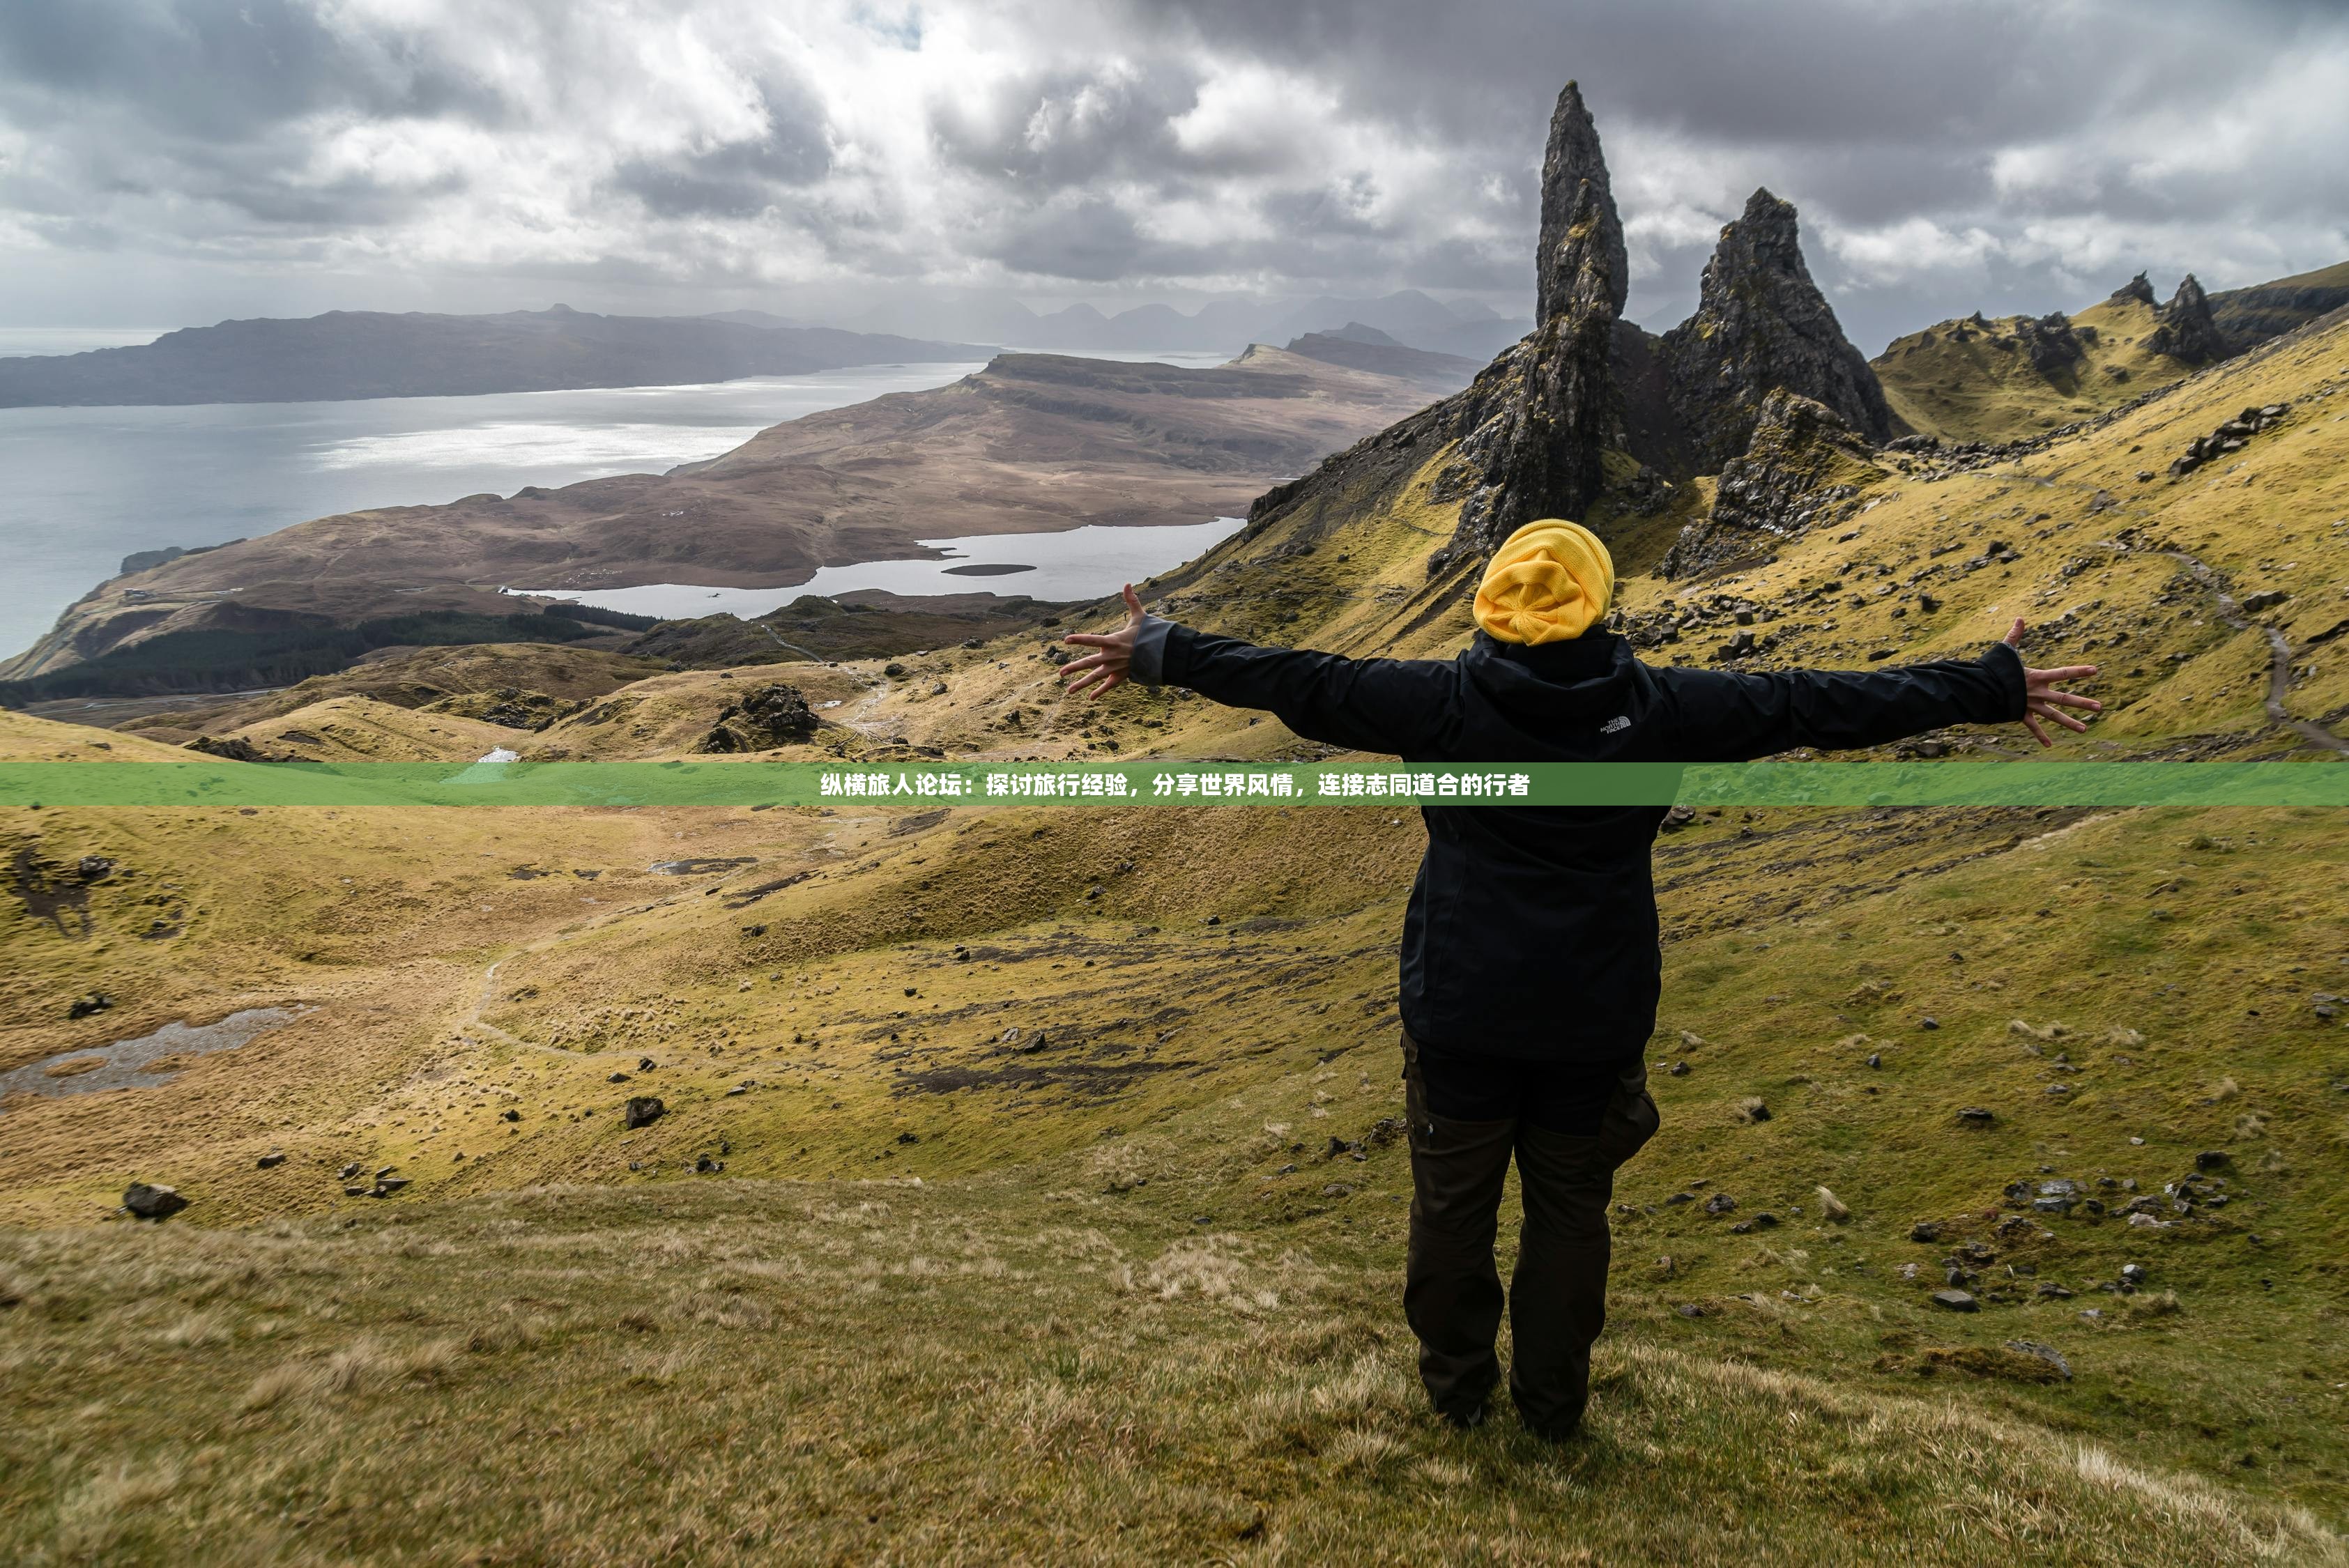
x=1580 y=259
x=2184 y=329
x=1537 y=425
x=1761 y=325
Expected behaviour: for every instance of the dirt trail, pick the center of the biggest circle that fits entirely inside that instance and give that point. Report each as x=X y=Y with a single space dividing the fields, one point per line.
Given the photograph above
x=2231 y=611
x=2279 y=654
x=856 y=716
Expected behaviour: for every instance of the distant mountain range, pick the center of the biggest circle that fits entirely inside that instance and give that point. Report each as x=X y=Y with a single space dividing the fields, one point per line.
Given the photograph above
x=370 y=353
x=1411 y=318
x=373 y=353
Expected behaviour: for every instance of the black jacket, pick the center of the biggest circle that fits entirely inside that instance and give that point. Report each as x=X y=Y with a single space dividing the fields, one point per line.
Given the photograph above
x=1532 y=930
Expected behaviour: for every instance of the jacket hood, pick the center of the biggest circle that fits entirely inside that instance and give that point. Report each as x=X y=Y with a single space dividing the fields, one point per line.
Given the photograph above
x=1554 y=681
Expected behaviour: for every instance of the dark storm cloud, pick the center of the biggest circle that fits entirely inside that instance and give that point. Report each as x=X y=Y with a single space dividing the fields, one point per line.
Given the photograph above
x=1071 y=127
x=209 y=71
x=1999 y=154
x=739 y=179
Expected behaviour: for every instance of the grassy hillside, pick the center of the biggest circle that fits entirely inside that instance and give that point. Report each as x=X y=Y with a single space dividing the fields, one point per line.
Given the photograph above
x=996 y=1212
x=1978 y=380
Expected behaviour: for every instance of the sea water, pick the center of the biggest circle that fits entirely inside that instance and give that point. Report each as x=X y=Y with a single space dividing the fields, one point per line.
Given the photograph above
x=1073 y=563
x=85 y=486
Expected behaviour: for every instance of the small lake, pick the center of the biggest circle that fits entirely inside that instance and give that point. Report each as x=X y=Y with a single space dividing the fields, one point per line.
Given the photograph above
x=1074 y=563
x=85 y=486
x=134 y=1064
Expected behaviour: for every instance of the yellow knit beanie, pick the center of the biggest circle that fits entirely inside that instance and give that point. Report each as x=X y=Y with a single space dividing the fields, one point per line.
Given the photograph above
x=1549 y=580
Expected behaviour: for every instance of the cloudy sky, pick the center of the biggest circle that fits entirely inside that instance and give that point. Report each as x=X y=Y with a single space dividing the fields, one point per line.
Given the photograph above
x=174 y=161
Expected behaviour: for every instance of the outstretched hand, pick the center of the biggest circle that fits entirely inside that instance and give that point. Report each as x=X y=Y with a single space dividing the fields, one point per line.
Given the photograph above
x=2041 y=697
x=1107 y=668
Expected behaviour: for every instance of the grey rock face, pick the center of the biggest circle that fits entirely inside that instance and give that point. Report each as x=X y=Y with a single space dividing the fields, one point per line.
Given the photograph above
x=1580 y=264
x=642 y=1111
x=2136 y=288
x=2184 y=329
x=772 y=716
x=148 y=1200
x=2051 y=344
x=1804 y=465
x=1761 y=324
x=1535 y=426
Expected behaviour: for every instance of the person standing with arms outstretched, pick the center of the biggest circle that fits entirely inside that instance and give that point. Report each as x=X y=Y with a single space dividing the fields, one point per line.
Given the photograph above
x=1531 y=962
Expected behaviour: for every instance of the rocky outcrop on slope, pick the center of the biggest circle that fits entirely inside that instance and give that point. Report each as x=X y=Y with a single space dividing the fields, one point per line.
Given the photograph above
x=1804 y=466
x=2184 y=329
x=2053 y=345
x=767 y=717
x=1761 y=324
x=2136 y=289
x=2231 y=437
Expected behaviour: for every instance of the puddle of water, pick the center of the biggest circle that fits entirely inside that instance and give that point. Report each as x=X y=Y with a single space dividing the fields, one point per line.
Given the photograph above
x=118 y=1065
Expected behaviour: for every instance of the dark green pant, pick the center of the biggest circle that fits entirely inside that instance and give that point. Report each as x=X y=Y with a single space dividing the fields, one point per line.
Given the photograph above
x=1558 y=1296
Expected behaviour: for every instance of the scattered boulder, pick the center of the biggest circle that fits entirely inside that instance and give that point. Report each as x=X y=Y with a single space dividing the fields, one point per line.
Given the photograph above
x=84 y=1006
x=348 y=1171
x=269 y=1161
x=1720 y=1204
x=642 y=1111
x=387 y=1186
x=152 y=1201
x=2046 y=1353
x=1956 y=1300
x=2056 y=1197
x=1925 y=1231
x=1975 y=1116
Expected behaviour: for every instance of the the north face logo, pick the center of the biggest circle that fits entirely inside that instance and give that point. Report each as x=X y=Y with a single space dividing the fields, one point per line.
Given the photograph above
x=1618 y=722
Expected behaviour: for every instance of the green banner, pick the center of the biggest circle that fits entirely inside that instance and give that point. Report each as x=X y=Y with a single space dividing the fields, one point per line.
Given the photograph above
x=914 y=785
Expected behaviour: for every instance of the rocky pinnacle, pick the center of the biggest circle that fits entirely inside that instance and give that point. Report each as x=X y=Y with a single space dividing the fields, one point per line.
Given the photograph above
x=1761 y=325
x=1536 y=426
x=1580 y=262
